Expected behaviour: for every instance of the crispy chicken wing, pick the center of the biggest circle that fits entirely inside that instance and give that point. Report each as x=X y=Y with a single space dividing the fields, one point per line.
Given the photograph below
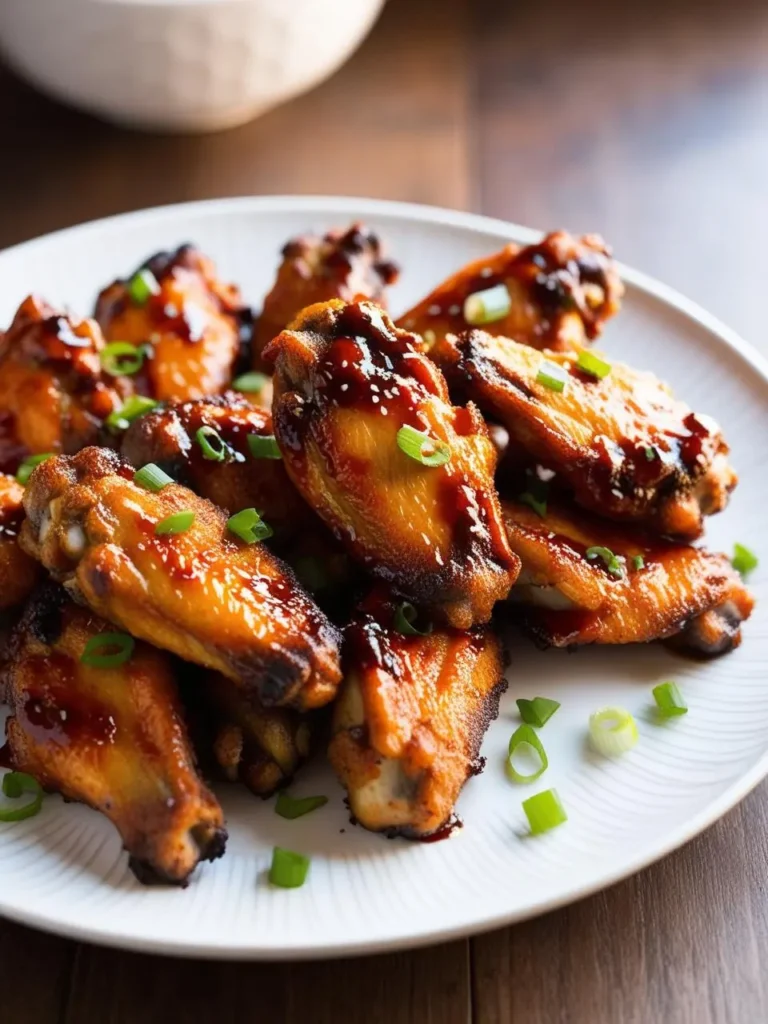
x=18 y=572
x=202 y=594
x=343 y=264
x=625 y=446
x=113 y=738
x=587 y=581
x=193 y=324
x=410 y=719
x=561 y=291
x=54 y=395
x=346 y=382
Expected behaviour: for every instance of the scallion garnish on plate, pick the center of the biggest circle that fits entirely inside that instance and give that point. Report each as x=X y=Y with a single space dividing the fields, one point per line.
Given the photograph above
x=525 y=741
x=591 y=363
x=296 y=807
x=551 y=376
x=108 y=650
x=537 y=711
x=487 y=306
x=152 y=478
x=29 y=465
x=288 y=870
x=143 y=285
x=131 y=410
x=249 y=526
x=14 y=786
x=179 y=522
x=212 y=444
x=612 y=731
x=544 y=811
x=607 y=557
x=669 y=700
x=744 y=560
x=404 y=619
x=121 y=358
x=418 y=445
x=264 y=446
x=250 y=383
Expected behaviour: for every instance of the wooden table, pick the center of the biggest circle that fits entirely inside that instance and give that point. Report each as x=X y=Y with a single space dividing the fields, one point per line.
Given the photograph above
x=648 y=124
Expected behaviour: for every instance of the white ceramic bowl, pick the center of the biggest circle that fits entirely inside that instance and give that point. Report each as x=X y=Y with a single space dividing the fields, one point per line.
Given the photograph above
x=180 y=65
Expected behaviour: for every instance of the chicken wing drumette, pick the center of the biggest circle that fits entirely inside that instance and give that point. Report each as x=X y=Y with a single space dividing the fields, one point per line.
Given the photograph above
x=191 y=326
x=203 y=594
x=410 y=719
x=18 y=572
x=560 y=293
x=346 y=382
x=113 y=738
x=54 y=394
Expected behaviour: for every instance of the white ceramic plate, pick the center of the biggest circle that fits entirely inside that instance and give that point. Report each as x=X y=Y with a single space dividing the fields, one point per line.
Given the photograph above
x=64 y=870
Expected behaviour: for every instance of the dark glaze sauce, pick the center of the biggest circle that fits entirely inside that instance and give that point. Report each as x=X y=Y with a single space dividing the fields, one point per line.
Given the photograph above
x=57 y=710
x=452 y=825
x=6 y=757
x=11 y=518
x=356 y=249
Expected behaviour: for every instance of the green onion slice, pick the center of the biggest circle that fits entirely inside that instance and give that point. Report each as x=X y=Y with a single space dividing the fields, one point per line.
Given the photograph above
x=544 y=811
x=25 y=470
x=212 y=444
x=537 y=711
x=251 y=383
x=613 y=731
x=669 y=700
x=133 y=407
x=288 y=870
x=142 y=285
x=551 y=376
x=291 y=807
x=638 y=562
x=405 y=616
x=108 y=650
x=592 y=364
x=650 y=453
x=152 y=477
x=249 y=526
x=744 y=560
x=609 y=560
x=122 y=358
x=525 y=741
x=264 y=447
x=15 y=785
x=179 y=522
x=539 y=505
x=487 y=306
x=418 y=445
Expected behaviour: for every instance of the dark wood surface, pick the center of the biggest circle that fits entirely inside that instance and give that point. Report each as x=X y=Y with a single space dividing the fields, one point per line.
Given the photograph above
x=646 y=122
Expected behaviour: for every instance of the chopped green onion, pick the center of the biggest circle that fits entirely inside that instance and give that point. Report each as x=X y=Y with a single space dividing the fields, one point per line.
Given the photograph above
x=544 y=811
x=249 y=526
x=650 y=453
x=539 y=505
x=25 y=470
x=613 y=731
x=142 y=285
x=524 y=741
x=250 y=382
x=669 y=700
x=264 y=447
x=589 y=362
x=122 y=358
x=152 y=477
x=132 y=408
x=405 y=616
x=213 y=445
x=487 y=306
x=744 y=560
x=16 y=784
x=537 y=711
x=609 y=560
x=290 y=807
x=108 y=650
x=551 y=376
x=418 y=445
x=289 y=869
x=638 y=562
x=179 y=522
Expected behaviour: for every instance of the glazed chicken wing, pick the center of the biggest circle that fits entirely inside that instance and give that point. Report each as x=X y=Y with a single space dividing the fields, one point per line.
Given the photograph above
x=561 y=291
x=192 y=326
x=625 y=446
x=410 y=719
x=18 y=572
x=113 y=738
x=203 y=594
x=346 y=381
x=54 y=395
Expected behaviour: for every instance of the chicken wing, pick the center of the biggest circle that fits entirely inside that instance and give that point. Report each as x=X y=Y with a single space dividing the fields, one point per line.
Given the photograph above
x=54 y=395
x=193 y=325
x=346 y=381
x=18 y=572
x=202 y=594
x=345 y=265
x=625 y=446
x=113 y=738
x=561 y=291
x=585 y=581
x=410 y=719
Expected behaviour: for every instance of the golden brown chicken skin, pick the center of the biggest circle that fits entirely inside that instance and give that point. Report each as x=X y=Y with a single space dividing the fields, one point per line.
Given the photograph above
x=624 y=445
x=202 y=594
x=346 y=382
x=561 y=292
x=54 y=395
x=586 y=581
x=192 y=324
x=113 y=738
x=410 y=720
x=18 y=572
x=343 y=264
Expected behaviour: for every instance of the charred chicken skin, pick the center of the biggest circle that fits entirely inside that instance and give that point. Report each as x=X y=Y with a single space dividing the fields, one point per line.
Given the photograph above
x=625 y=446
x=54 y=394
x=202 y=594
x=18 y=572
x=346 y=381
x=561 y=292
x=190 y=324
x=113 y=738
x=585 y=581
x=410 y=719
x=343 y=264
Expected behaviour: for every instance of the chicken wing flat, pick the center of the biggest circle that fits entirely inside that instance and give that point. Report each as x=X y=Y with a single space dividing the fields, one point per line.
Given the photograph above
x=113 y=738
x=561 y=292
x=625 y=446
x=344 y=264
x=202 y=594
x=346 y=381
x=410 y=719
x=584 y=581
x=54 y=395
x=192 y=324
x=18 y=572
